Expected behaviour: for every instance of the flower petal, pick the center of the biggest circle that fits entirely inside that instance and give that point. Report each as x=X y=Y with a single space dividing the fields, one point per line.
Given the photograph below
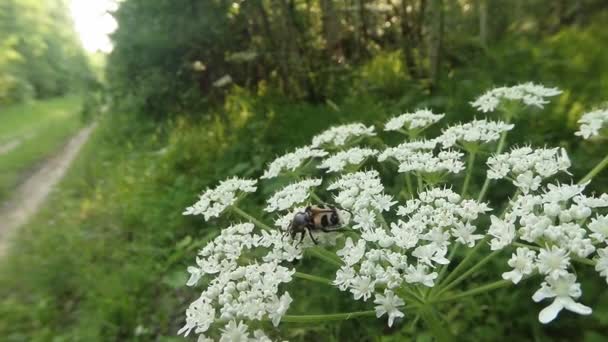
x=550 y=312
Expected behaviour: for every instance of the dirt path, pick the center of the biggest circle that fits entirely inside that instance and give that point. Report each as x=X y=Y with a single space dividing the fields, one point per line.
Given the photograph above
x=28 y=197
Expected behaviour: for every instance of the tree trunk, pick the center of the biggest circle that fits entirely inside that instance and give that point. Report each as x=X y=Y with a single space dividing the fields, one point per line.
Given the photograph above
x=483 y=23
x=331 y=29
x=435 y=41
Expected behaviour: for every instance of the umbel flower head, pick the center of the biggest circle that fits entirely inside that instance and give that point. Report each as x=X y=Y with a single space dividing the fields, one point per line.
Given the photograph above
x=411 y=121
x=529 y=93
x=592 y=123
x=214 y=201
x=393 y=240
x=340 y=135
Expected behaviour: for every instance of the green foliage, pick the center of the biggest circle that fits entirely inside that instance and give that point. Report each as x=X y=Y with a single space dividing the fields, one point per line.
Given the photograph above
x=40 y=55
x=33 y=132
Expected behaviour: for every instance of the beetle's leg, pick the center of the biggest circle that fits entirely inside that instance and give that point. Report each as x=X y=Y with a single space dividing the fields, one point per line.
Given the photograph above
x=301 y=238
x=311 y=236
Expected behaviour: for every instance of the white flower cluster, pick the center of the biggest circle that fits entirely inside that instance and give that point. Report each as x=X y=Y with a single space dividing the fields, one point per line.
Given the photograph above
x=340 y=160
x=592 y=123
x=418 y=156
x=476 y=131
x=238 y=291
x=528 y=166
x=214 y=201
x=557 y=221
x=529 y=93
x=291 y=195
x=339 y=135
x=409 y=250
x=291 y=161
x=418 y=119
x=362 y=193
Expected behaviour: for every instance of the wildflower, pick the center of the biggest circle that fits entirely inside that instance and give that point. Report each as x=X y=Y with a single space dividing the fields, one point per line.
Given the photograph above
x=529 y=93
x=476 y=131
x=419 y=274
x=463 y=232
x=362 y=287
x=339 y=135
x=404 y=150
x=361 y=190
x=340 y=160
x=351 y=253
x=553 y=262
x=279 y=308
x=523 y=264
x=565 y=290
x=528 y=166
x=214 y=201
x=388 y=305
x=602 y=262
x=592 y=123
x=234 y=332
x=291 y=195
x=419 y=119
x=502 y=231
x=426 y=161
x=599 y=227
x=291 y=161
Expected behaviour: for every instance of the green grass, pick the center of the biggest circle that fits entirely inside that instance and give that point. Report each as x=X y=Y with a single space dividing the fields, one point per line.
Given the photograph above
x=39 y=129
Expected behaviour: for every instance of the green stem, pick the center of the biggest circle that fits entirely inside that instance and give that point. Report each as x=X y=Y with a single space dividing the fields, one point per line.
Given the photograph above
x=597 y=169
x=436 y=327
x=464 y=261
x=467 y=179
x=324 y=255
x=255 y=221
x=499 y=149
x=408 y=181
x=314 y=278
x=477 y=290
x=444 y=268
x=468 y=272
x=329 y=317
x=420 y=183
x=316 y=198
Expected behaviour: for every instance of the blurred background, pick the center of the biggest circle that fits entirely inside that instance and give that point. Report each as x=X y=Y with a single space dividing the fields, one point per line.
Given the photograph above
x=114 y=115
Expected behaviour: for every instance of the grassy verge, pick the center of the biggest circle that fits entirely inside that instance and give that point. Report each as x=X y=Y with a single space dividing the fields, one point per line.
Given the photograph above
x=35 y=130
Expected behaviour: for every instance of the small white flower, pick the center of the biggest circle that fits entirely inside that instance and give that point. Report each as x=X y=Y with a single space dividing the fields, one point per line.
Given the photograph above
x=214 y=201
x=527 y=181
x=423 y=159
x=503 y=232
x=419 y=119
x=553 y=262
x=362 y=287
x=592 y=123
x=291 y=195
x=602 y=262
x=291 y=161
x=430 y=253
x=419 y=274
x=464 y=234
x=529 y=93
x=565 y=289
x=351 y=253
x=234 y=332
x=278 y=310
x=339 y=135
x=388 y=304
x=599 y=227
x=344 y=278
x=353 y=156
x=476 y=131
x=523 y=264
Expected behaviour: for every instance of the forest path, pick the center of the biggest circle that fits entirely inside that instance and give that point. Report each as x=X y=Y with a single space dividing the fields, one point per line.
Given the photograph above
x=28 y=197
